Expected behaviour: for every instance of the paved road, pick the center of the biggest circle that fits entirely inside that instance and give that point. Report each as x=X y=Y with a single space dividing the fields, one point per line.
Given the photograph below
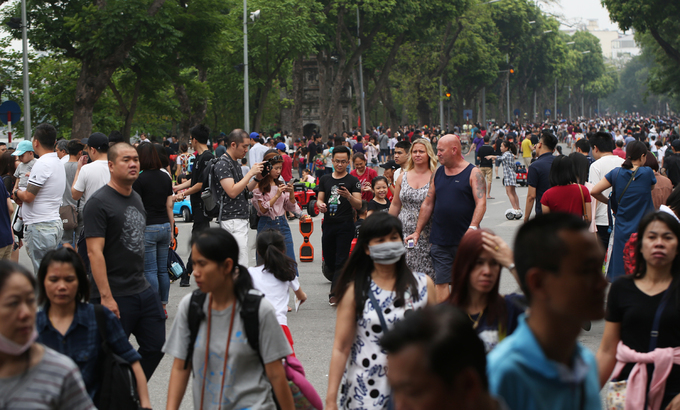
x=313 y=326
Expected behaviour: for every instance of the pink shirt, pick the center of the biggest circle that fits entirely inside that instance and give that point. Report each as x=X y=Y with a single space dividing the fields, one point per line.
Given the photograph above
x=280 y=207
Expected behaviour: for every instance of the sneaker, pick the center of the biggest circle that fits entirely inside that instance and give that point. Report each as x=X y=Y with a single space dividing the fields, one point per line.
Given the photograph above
x=519 y=214
x=498 y=177
x=184 y=284
x=166 y=313
x=332 y=300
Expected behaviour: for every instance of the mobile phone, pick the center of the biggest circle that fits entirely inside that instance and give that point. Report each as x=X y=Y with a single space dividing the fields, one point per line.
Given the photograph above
x=341 y=185
x=410 y=244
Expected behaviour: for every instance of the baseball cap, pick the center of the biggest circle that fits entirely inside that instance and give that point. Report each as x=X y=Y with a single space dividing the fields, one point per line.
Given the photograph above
x=281 y=146
x=23 y=147
x=675 y=144
x=254 y=135
x=391 y=164
x=97 y=141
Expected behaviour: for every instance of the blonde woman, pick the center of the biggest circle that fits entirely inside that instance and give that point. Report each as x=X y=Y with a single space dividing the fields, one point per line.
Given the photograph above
x=410 y=191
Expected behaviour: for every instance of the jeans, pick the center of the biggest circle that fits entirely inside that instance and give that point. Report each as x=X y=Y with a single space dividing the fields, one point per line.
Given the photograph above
x=280 y=224
x=199 y=226
x=239 y=229
x=156 y=245
x=41 y=238
x=336 y=241
x=142 y=315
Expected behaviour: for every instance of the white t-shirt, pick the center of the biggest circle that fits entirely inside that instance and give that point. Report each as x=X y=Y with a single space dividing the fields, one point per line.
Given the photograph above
x=64 y=159
x=598 y=170
x=257 y=153
x=275 y=291
x=92 y=176
x=48 y=174
x=393 y=141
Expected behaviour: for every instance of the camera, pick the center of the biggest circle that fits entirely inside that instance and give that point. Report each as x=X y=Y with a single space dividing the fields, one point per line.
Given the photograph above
x=266 y=168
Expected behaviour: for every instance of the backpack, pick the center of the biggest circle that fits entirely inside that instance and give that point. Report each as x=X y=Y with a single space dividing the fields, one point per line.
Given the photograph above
x=319 y=163
x=210 y=193
x=119 y=385
x=175 y=265
x=251 y=323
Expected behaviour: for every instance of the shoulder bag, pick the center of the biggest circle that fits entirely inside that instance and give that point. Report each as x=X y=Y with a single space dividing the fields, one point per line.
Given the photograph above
x=616 y=390
x=583 y=201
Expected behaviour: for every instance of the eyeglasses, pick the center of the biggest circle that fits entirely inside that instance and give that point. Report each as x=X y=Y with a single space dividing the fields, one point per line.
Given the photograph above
x=340 y=162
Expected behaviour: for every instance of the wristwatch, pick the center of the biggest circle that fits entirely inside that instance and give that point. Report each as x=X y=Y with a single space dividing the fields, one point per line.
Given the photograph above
x=511 y=266
x=473 y=227
x=15 y=193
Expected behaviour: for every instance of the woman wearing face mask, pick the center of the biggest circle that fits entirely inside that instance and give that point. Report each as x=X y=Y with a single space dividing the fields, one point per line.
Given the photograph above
x=273 y=199
x=476 y=277
x=67 y=321
x=376 y=287
x=32 y=376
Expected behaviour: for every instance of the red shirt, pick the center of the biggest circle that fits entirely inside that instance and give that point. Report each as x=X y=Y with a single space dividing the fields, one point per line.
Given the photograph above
x=287 y=171
x=566 y=198
x=621 y=153
x=368 y=176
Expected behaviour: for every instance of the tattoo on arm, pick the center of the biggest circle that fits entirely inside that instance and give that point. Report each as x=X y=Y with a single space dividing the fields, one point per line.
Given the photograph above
x=480 y=185
x=33 y=189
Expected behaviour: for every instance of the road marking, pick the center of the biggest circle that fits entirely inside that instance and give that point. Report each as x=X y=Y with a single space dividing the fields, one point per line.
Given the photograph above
x=497 y=202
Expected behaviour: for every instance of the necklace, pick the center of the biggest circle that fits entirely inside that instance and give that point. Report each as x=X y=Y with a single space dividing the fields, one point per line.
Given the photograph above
x=475 y=322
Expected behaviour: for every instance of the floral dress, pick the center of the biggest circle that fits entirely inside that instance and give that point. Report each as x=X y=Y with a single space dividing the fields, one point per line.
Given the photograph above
x=364 y=384
x=418 y=258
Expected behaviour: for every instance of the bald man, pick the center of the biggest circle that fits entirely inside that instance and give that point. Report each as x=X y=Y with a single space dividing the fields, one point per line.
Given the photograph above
x=456 y=201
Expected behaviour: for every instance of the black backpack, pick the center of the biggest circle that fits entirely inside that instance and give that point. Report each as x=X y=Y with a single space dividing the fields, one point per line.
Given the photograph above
x=118 y=389
x=211 y=193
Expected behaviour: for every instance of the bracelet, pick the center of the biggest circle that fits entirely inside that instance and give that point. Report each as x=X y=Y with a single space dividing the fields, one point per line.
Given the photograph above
x=511 y=266
x=473 y=227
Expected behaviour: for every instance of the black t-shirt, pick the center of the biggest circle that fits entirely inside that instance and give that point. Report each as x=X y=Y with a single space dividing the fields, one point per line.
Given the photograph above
x=671 y=163
x=196 y=174
x=374 y=206
x=485 y=150
x=120 y=220
x=635 y=311
x=154 y=186
x=339 y=208
x=233 y=208
x=534 y=139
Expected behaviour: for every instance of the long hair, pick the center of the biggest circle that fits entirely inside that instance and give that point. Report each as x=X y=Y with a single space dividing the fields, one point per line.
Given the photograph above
x=430 y=153
x=673 y=225
x=7 y=165
x=469 y=250
x=148 y=157
x=271 y=246
x=359 y=266
x=218 y=245
x=634 y=151
x=265 y=183
x=562 y=171
x=581 y=167
x=510 y=146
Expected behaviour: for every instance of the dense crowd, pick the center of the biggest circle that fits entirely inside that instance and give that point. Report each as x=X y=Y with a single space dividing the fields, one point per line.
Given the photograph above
x=414 y=272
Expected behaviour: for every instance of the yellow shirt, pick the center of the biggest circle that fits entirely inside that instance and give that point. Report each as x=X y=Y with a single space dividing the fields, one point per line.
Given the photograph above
x=526 y=148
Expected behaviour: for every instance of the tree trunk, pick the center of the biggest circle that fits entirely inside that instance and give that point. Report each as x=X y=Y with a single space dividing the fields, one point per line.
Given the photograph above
x=424 y=111
x=389 y=107
x=94 y=78
x=128 y=113
x=193 y=112
x=298 y=95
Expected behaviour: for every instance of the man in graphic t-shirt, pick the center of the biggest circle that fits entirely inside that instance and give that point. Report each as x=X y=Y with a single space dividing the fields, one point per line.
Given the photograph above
x=41 y=200
x=339 y=192
x=114 y=230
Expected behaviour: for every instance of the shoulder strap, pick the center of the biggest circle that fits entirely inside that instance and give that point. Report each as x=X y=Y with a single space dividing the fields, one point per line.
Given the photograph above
x=377 y=308
x=101 y=325
x=250 y=314
x=194 y=318
x=654 y=336
x=632 y=177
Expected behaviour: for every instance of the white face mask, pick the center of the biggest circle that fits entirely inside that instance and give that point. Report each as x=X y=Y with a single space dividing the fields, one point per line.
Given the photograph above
x=387 y=253
x=9 y=347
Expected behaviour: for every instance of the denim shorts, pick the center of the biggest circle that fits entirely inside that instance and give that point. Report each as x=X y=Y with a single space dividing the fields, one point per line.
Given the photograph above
x=442 y=261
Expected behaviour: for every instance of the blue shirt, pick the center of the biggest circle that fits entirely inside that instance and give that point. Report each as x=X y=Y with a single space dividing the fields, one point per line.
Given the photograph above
x=82 y=342
x=526 y=379
x=6 y=238
x=538 y=176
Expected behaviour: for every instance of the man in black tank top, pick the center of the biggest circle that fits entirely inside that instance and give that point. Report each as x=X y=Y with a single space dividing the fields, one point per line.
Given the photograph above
x=456 y=202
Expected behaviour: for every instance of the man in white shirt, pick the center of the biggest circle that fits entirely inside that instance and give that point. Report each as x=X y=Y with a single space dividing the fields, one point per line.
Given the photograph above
x=90 y=177
x=602 y=146
x=62 y=151
x=257 y=150
x=41 y=200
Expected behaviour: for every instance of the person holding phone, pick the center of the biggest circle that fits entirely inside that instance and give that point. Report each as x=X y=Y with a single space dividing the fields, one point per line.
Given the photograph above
x=272 y=199
x=339 y=192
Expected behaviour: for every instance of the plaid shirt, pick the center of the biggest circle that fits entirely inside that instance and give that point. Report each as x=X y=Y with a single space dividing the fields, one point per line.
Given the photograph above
x=82 y=342
x=509 y=174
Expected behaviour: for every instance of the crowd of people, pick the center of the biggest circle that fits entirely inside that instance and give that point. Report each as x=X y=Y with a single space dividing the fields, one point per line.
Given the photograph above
x=420 y=320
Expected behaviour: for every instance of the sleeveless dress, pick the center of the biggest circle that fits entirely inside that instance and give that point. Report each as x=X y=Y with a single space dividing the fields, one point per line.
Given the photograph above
x=364 y=384
x=418 y=258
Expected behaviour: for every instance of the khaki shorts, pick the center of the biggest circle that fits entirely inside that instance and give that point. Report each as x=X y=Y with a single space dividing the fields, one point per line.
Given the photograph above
x=488 y=174
x=527 y=161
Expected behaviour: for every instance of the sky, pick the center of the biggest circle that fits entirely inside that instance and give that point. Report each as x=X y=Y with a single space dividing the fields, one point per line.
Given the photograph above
x=575 y=10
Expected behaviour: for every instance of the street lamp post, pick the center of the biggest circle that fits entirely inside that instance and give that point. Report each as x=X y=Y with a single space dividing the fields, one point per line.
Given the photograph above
x=27 y=94
x=555 y=113
x=246 y=95
x=441 y=105
x=507 y=61
x=361 y=82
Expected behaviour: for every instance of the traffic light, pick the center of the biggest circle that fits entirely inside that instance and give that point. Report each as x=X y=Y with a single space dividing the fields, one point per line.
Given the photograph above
x=511 y=69
x=448 y=95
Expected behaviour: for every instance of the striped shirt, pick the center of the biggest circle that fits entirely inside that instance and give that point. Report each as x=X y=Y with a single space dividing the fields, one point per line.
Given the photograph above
x=54 y=383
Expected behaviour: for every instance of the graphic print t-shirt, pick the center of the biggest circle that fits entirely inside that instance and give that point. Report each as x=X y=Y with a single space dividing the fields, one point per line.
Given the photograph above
x=339 y=208
x=120 y=220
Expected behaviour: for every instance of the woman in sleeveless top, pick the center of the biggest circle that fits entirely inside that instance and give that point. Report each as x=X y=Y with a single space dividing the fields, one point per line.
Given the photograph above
x=410 y=191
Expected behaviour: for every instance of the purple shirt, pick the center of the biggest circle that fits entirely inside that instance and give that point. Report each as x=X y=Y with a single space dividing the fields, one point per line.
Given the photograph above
x=478 y=143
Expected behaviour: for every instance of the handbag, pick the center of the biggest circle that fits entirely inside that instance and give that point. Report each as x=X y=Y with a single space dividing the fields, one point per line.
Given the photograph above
x=383 y=323
x=616 y=390
x=69 y=217
x=583 y=201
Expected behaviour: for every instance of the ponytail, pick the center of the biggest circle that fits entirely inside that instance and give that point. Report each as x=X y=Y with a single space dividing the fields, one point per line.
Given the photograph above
x=271 y=246
x=634 y=151
x=242 y=282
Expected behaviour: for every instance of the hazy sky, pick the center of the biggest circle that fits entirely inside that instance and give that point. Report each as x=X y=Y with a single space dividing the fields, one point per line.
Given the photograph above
x=575 y=10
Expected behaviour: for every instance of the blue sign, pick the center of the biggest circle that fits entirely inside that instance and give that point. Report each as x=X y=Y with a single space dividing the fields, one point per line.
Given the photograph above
x=547 y=112
x=10 y=106
x=517 y=112
x=559 y=111
x=467 y=114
